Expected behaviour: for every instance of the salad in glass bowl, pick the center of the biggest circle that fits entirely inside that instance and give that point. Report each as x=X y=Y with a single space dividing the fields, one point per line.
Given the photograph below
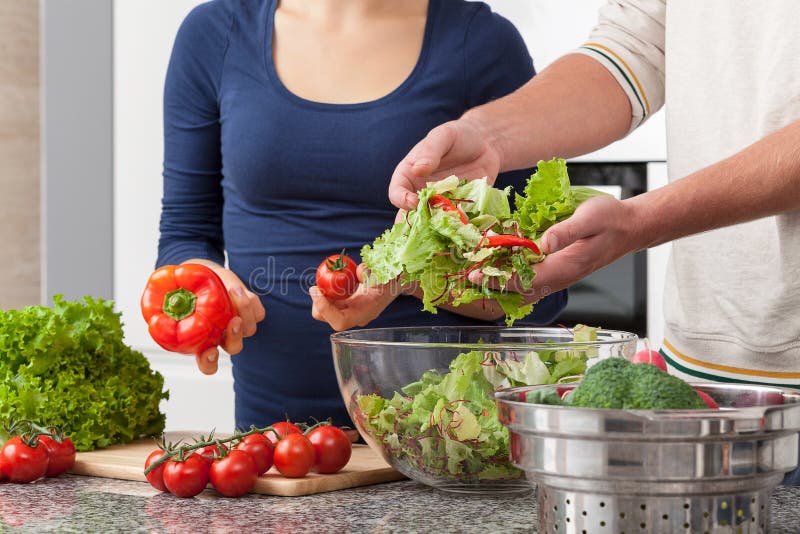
x=422 y=397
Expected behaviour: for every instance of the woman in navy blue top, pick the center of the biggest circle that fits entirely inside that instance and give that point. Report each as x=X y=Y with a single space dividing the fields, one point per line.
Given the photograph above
x=279 y=181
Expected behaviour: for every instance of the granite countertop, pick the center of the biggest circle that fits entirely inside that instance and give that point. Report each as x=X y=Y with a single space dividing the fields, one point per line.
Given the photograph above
x=87 y=504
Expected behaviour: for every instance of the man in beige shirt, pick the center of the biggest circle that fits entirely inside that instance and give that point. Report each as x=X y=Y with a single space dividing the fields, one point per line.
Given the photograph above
x=728 y=74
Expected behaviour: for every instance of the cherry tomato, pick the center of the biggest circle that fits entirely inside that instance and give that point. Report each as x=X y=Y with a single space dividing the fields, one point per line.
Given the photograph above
x=711 y=403
x=283 y=428
x=332 y=448
x=60 y=454
x=22 y=463
x=260 y=448
x=210 y=451
x=294 y=456
x=156 y=476
x=186 y=478
x=235 y=474
x=652 y=357
x=337 y=277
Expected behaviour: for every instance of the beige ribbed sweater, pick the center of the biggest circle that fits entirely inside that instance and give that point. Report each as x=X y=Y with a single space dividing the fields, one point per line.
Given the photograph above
x=727 y=73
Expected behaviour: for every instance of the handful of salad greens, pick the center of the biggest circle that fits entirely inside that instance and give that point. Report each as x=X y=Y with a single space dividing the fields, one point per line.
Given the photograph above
x=460 y=227
x=445 y=425
x=69 y=366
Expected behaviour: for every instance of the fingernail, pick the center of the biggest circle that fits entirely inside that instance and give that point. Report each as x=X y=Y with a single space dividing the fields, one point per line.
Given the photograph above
x=236 y=329
x=238 y=291
x=212 y=357
x=314 y=291
x=552 y=243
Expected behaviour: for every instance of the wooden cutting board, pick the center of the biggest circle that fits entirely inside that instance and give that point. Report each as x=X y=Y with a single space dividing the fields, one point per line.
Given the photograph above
x=126 y=462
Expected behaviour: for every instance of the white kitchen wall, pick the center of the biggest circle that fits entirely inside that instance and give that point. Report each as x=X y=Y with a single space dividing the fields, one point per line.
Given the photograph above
x=143 y=34
x=552 y=28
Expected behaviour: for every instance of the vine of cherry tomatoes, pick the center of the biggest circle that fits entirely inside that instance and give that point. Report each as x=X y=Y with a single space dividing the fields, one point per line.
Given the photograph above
x=34 y=452
x=234 y=471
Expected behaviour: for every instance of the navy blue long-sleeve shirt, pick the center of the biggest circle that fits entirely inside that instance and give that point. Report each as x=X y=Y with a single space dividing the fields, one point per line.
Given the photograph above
x=279 y=182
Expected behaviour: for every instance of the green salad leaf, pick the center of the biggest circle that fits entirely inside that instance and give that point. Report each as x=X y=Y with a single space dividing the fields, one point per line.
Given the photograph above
x=435 y=247
x=445 y=424
x=549 y=198
x=68 y=366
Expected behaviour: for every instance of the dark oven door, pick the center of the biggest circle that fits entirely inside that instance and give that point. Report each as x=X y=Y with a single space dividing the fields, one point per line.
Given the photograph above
x=614 y=297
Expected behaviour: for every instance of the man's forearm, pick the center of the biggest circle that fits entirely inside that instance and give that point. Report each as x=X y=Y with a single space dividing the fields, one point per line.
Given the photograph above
x=759 y=181
x=573 y=107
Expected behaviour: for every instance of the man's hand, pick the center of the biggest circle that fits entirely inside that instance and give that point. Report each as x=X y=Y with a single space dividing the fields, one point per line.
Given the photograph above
x=600 y=231
x=359 y=309
x=458 y=147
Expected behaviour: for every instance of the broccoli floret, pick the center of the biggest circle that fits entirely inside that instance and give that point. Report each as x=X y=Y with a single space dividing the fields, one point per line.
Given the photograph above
x=604 y=388
x=609 y=364
x=616 y=383
x=653 y=389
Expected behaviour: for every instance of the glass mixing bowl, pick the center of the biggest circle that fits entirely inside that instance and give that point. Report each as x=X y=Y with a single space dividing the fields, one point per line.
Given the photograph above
x=436 y=423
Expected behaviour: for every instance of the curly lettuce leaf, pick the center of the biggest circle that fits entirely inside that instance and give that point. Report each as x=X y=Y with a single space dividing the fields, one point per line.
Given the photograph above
x=434 y=246
x=68 y=366
x=549 y=198
x=383 y=256
x=448 y=225
x=446 y=423
x=483 y=199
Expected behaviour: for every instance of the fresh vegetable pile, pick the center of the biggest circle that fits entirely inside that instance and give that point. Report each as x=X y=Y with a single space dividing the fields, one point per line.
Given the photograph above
x=69 y=366
x=445 y=425
x=34 y=451
x=463 y=227
x=616 y=383
x=185 y=470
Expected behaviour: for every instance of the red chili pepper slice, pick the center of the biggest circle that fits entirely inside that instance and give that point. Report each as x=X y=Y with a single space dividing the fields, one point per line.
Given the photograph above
x=439 y=201
x=509 y=241
x=187 y=308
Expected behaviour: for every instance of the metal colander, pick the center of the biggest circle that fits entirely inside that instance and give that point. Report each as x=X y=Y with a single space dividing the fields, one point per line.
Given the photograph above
x=635 y=471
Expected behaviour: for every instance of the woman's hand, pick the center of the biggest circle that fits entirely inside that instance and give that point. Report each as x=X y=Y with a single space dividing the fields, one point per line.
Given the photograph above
x=363 y=306
x=249 y=312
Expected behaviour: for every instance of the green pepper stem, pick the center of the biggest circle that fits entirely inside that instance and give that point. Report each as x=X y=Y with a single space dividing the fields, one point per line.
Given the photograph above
x=179 y=303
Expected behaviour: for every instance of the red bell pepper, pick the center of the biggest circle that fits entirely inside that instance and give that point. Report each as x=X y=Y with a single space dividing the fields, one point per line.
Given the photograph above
x=439 y=201
x=187 y=308
x=509 y=241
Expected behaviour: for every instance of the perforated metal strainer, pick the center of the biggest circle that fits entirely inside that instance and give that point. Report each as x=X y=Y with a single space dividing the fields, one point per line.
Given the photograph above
x=619 y=471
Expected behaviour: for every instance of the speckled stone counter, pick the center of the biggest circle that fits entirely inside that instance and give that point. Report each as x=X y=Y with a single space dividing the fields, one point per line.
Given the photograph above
x=85 y=504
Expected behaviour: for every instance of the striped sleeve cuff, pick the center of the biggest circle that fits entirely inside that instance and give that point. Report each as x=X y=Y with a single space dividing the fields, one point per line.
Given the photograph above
x=625 y=76
x=643 y=103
